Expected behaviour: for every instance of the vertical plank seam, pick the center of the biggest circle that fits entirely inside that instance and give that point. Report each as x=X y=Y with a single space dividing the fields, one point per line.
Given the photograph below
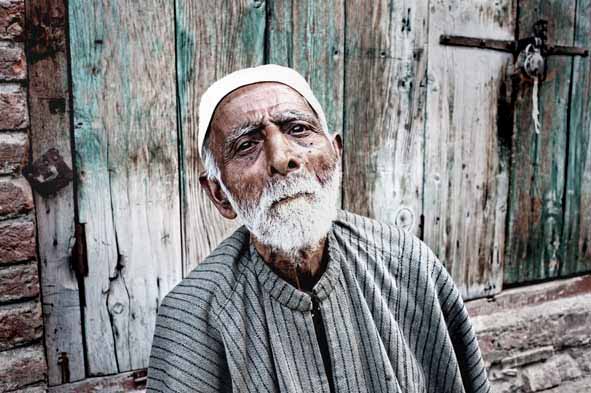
x=425 y=122
x=267 y=33
x=344 y=106
x=564 y=233
x=80 y=279
x=180 y=144
x=118 y=266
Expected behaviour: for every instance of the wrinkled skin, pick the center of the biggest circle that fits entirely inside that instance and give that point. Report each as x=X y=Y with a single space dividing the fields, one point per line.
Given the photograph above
x=268 y=131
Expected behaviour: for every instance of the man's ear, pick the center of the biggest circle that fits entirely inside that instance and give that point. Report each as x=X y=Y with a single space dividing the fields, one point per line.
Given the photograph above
x=337 y=143
x=217 y=196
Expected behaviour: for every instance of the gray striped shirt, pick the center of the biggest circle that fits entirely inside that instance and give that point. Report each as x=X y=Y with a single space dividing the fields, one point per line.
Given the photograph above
x=393 y=318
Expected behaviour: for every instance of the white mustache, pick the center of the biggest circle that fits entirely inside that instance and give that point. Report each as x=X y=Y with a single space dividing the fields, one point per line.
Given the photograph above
x=288 y=188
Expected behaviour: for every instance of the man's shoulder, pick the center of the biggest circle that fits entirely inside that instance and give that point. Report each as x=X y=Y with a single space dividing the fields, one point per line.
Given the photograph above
x=211 y=281
x=386 y=238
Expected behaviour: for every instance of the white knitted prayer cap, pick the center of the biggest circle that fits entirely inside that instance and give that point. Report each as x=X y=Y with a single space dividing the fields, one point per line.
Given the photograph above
x=247 y=76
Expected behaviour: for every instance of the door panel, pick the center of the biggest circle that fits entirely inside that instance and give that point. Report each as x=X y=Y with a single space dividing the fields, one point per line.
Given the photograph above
x=535 y=222
x=125 y=134
x=576 y=239
x=211 y=42
x=466 y=165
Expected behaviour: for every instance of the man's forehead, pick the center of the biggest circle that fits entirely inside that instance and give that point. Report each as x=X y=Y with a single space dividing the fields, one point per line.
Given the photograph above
x=262 y=95
x=251 y=102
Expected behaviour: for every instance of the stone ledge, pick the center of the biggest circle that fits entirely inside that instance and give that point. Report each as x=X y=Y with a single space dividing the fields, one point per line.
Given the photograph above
x=544 y=347
x=559 y=323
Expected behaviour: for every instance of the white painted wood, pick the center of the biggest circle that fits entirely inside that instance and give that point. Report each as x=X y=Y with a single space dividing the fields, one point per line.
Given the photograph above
x=385 y=110
x=466 y=174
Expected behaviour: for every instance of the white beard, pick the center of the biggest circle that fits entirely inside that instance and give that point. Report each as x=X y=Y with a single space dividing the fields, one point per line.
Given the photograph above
x=295 y=224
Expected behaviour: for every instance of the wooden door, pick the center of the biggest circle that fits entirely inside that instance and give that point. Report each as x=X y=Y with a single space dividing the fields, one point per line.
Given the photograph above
x=126 y=156
x=549 y=223
x=438 y=140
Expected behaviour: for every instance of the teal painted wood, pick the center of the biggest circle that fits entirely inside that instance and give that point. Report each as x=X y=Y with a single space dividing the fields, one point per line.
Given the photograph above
x=211 y=42
x=538 y=168
x=576 y=240
x=125 y=134
x=309 y=37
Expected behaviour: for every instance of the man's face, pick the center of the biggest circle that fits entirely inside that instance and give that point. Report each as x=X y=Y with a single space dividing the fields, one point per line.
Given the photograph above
x=278 y=167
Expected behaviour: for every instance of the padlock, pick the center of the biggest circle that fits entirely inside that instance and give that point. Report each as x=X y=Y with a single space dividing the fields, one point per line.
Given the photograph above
x=533 y=62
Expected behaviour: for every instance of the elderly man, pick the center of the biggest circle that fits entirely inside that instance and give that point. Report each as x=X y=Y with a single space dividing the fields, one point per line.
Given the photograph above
x=303 y=297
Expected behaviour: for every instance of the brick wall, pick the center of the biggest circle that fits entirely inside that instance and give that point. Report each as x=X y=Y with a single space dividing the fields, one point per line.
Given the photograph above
x=22 y=357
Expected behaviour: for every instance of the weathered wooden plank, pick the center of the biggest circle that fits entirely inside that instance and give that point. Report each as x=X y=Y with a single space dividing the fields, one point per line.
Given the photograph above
x=466 y=171
x=211 y=42
x=538 y=160
x=309 y=37
x=50 y=128
x=129 y=382
x=576 y=240
x=385 y=79
x=123 y=75
x=530 y=295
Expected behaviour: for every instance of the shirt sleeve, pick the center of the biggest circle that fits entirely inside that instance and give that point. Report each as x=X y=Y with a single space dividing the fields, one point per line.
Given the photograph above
x=462 y=334
x=187 y=353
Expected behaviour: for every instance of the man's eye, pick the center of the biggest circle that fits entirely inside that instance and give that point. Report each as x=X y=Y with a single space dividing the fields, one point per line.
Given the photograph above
x=298 y=129
x=245 y=145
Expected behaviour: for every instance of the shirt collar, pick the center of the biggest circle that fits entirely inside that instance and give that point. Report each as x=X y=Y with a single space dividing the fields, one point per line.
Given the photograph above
x=287 y=294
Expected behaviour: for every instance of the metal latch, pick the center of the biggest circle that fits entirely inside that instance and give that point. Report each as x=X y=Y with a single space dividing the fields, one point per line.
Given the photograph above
x=539 y=40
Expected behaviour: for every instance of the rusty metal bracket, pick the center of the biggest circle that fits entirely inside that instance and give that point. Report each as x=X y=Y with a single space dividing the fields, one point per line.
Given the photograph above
x=49 y=173
x=64 y=363
x=79 y=258
x=539 y=38
x=140 y=378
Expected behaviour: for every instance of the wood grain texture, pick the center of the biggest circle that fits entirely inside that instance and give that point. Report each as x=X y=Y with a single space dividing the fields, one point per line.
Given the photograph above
x=576 y=239
x=211 y=42
x=538 y=163
x=55 y=215
x=125 y=131
x=466 y=168
x=384 y=114
x=309 y=37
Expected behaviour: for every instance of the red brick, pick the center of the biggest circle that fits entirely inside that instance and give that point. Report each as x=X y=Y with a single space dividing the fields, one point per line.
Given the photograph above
x=20 y=324
x=13 y=66
x=12 y=19
x=17 y=241
x=16 y=197
x=19 y=281
x=13 y=106
x=14 y=151
x=22 y=367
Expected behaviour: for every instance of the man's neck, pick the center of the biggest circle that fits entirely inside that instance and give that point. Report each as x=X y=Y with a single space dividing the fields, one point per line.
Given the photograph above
x=302 y=270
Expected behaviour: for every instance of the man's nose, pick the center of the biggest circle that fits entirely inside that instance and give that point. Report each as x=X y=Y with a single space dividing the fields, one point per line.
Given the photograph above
x=281 y=158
